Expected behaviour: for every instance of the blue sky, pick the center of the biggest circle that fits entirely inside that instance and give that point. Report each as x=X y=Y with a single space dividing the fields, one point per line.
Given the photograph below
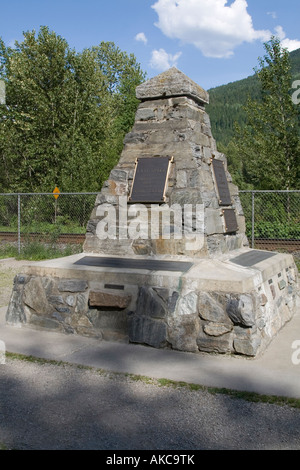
x=214 y=42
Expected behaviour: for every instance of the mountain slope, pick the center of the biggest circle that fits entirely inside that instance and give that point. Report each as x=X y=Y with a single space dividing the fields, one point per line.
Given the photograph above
x=227 y=101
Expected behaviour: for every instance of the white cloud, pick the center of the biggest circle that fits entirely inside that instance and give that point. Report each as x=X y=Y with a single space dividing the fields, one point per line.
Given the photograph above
x=161 y=60
x=141 y=37
x=273 y=14
x=289 y=44
x=211 y=25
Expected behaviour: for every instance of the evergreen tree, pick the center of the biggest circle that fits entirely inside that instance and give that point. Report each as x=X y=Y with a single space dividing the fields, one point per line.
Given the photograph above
x=66 y=113
x=269 y=144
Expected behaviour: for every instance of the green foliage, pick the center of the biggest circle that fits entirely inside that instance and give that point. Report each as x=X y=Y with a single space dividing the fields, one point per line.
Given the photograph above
x=226 y=107
x=256 y=123
x=264 y=154
x=276 y=215
x=273 y=230
x=227 y=102
x=66 y=113
x=37 y=251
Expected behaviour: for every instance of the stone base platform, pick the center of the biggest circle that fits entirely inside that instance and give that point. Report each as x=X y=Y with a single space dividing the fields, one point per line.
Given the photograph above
x=234 y=304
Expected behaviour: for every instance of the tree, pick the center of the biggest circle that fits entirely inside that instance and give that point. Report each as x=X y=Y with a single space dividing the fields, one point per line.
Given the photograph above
x=269 y=144
x=66 y=113
x=122 y=75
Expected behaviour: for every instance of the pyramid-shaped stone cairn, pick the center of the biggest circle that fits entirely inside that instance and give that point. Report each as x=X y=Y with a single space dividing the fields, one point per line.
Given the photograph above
x=171 y=122
x=166 y=262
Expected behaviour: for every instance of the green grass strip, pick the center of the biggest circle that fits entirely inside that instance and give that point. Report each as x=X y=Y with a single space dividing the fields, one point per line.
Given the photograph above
x=236 y=394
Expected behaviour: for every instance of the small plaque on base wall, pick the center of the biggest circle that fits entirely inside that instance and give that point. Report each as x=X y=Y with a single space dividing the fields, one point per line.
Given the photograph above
x=231 y=224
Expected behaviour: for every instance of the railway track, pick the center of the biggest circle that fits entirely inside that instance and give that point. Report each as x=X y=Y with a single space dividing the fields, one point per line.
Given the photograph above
x=290 y=246
x=64 y=238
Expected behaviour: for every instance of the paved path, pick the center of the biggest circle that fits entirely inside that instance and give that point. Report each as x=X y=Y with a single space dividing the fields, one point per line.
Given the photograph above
x=274 y=373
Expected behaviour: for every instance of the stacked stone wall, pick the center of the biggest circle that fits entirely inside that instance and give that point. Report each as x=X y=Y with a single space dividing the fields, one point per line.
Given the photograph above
x=161 y=317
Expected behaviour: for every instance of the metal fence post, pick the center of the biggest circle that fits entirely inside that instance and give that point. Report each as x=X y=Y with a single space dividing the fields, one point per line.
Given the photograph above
x=253 y=219
x=19 y=223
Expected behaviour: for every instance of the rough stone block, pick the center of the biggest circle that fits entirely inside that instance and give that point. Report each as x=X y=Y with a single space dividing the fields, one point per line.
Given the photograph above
x=15 y=314
x=150 y=303
x=35 y=296
x=107 y=320
x=149 y=331
x=183 y=332
x=212 y=344
x=145 y=114
x=241 y=310
x=213 y=221
x=247 y=347
x=55 y=299
x=72 y=285
x=181 y=180
x=118 y=188
x=187 y=305
x=103 y=300
x=185 y=196
x=171 y=83
x=212 y=310
x=216 y=329
x=118 y=175
x=45 y=323
x=70 y=300
x=82 y=304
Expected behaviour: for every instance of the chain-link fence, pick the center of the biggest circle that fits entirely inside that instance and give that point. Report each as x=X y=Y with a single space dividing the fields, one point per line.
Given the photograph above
x=272 y=218
x=45 y=217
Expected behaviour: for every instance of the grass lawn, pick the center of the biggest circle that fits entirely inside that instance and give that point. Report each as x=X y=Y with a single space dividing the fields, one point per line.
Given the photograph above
x=37 y=251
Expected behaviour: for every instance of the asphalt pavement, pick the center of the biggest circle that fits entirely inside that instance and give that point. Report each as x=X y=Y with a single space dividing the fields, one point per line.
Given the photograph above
x=276 y=372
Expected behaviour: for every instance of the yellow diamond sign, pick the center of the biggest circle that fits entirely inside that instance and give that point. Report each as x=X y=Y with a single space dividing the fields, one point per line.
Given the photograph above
x=56 y=192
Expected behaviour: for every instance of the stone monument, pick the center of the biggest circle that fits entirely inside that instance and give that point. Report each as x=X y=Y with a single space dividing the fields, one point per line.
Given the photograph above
x=166 y=262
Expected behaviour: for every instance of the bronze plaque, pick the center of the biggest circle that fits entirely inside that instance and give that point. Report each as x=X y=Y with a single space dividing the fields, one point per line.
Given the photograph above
x=129 y=263
x=150 y=180
x=252 y=257
x=231 y=224
x=222 y=183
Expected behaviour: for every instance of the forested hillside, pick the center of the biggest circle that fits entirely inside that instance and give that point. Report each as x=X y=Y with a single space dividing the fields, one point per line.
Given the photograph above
x=227 y=101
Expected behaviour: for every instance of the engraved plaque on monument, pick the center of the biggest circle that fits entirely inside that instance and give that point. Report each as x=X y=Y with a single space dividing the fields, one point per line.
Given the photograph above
x=230 y=220
x=150 y=180
x=252 y=257
x=222 y=183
